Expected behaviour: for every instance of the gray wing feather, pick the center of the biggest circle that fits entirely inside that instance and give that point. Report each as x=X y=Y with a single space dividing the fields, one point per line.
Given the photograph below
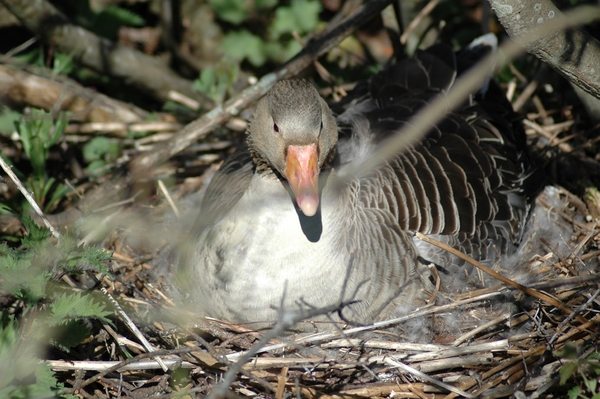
x=226 y=188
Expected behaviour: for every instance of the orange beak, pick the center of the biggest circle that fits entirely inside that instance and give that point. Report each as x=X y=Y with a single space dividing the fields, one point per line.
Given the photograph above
x=302 y=173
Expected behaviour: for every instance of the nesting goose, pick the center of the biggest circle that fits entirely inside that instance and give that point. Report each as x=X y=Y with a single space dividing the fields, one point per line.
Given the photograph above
x=276 y=234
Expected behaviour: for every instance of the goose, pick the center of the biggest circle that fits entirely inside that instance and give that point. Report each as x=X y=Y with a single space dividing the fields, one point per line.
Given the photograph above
x=276 y=234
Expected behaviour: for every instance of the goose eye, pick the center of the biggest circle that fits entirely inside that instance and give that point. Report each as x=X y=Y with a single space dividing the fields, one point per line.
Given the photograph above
x=275 y=128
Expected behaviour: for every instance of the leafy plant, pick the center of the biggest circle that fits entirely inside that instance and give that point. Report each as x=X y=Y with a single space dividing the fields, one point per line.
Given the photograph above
x=100 y=151
x=8 y=118
x=49 y=314
x=586 y=369
x=235 y=11
x=27 y=271
x=61 y=63
x=38 y=133
x=104 y=22
x=21 y=373
x=217 y=82
x=241 y=45
x=301 y=16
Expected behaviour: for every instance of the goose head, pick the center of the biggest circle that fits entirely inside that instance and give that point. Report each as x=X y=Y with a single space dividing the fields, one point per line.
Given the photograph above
x=294 y=133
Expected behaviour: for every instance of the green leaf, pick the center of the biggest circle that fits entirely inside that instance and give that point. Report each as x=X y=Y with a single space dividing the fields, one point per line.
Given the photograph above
x=46 y=383
x=574 y=392
x=8 y=332
x=93 y=167
x=99 y=148
x=23 y=281
x=68 y=307
x=265 y=3
x=121 y=16
x=569 y=351
x=34 y=57
x=206 y=80
x=36 y=235
x=27 y=285
x=70 y=335
x=232 y=11
x=301 y=16
x=8 y=118
x=78 y=259
x=242 y=45
x=21 y=373
x=42 y=385
x=594 y=364
x=107 y=22
x=60 y=125
x=216 y=82
x=57 y=194
x=590 y=383
x=25 y=273
x=280 y=53
x=45 y=187
x=39 y=132
x=566 y=371
x=62 y=64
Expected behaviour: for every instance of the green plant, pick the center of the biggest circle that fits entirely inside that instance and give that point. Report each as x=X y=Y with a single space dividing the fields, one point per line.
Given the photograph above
x=217 y=82
x=580 y=369
x=8 y=117
x=99 y=152
x=38 y=133
x=47 y=312
x=104 y=22
x=301 y=17
x=235 y=11
x=61 y=63
x=27 y=271
x=21 y=374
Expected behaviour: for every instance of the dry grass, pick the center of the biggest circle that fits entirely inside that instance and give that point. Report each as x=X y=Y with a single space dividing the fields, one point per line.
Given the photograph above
x=493 y=341
x=490 y=342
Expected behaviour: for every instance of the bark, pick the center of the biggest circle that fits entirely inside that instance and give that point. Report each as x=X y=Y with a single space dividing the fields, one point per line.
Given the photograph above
x=572 y=52
x=101 y=54
x=24 y=88
x=196 y=130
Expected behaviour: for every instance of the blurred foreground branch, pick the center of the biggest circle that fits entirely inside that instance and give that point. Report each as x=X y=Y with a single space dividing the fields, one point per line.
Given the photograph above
x=101 y=54
x=208 y=122
x=468 y=83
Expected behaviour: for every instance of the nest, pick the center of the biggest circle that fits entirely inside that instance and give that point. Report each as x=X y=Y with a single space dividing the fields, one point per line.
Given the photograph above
x=520 y=332
x=511 y=336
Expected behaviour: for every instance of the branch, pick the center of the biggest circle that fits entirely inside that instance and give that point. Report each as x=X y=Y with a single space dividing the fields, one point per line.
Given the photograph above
x=22 y=87
x=468 y=83
x=8 y=169
x=573 y=52
x=98 y=53
x=211 y=120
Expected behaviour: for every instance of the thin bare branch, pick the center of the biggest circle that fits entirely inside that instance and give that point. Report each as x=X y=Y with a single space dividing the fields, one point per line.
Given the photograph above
x=7 y=168
x=211 y=120
x=98 y=53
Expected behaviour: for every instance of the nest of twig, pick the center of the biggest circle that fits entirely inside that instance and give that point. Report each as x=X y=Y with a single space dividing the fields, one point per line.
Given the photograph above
x=509 y=336
x=490 y=342
x=512 y=334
